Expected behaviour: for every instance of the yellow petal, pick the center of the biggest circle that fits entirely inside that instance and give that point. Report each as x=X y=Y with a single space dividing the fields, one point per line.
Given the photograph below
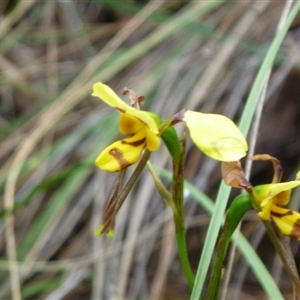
x=268 y=202
x=153 y=141
x=265 y=212
x=281 y=187
x=129 y=124
x=216 y=135
x=106 y=94
x=279 y=192
x=287 y=221
x=122 y=154
x=282 y=198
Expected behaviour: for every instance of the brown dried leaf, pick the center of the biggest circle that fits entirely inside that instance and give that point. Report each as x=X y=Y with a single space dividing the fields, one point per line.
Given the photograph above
x=276 y=165
x=233 y=175
x=108 y=221
x=135 y=100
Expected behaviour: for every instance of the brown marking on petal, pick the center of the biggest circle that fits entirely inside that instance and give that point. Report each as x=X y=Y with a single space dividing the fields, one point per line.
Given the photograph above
x=135 y=143
x=122 y=111
x=118 y=155
x=279 y=215
x=295 y=234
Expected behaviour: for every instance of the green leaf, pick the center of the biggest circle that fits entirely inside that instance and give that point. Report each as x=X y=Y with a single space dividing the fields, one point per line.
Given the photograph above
x=240 y=205
x=172 y=142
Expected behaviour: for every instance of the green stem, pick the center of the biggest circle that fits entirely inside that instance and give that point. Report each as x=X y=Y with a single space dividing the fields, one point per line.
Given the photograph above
x=182 y=251
x=178 y=222
x=162 y=190
x=217 y=266
x=240 y=205
x=177 y=195
x=175 y=201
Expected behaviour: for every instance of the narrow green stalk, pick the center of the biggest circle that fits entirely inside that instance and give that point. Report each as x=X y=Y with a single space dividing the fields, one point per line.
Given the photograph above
x=217 y=267
x=178 y=222
x=175 y=201
x=177 y=195
x=240 y=205
x=182 y=251
x=162 y=190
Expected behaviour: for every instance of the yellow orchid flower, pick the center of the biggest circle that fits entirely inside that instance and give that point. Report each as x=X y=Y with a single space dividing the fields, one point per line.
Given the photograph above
x=216 y=135
x=138 y=124
x=268 y=199
x=272 y=197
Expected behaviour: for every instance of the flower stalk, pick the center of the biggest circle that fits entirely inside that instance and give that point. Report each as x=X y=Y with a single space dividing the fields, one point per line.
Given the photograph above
x=178 y=214
x=240 y=205
x=175 y=201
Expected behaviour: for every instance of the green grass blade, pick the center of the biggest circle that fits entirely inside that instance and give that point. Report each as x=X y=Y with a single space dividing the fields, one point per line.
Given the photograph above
x=266 y=66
